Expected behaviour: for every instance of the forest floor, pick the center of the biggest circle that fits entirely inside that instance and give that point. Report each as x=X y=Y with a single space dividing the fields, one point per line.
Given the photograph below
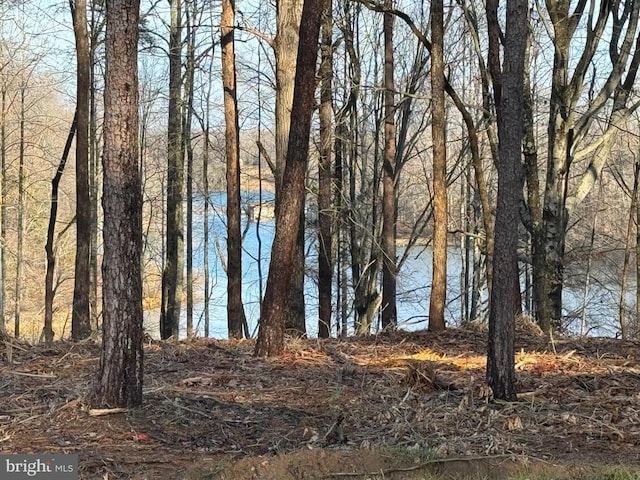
x=396 y=405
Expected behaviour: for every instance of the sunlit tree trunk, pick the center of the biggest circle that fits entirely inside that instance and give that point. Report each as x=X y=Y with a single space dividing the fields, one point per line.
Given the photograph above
x=173 y=276
x=119 y=380
x=274 y=308
x=80 y=319
x=285 y=46
x=389 y=271
x=235 y=309
x=438 y=134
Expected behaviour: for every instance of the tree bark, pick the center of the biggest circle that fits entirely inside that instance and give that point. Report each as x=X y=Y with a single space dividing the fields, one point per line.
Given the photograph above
x=187 y=115
x=119 y=382
x=173 y=276
x=272 y=322
x=235 y=309
x=325 y=177
x=96 y=27
x=440 y=204
x=20 y=223
x=389 y=270
x=637 y=252
x=80 y=319
x=502 y=310
x=285 y=46
x=3 y=204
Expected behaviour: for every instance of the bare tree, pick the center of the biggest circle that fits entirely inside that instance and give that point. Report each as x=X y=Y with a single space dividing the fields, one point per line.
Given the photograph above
x=119 y=381
x=438 y=297
x=187 y=117
x=325 y=177
x=172 y=276
x=20 y=223
x=274 y=307
x=288 y=14
x=80 y=319
x=389 y=271
x=570 y=123
x=50 y=246
x=235 y=309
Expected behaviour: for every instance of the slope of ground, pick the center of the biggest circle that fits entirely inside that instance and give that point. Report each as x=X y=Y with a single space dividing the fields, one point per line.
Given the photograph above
x=396 y=405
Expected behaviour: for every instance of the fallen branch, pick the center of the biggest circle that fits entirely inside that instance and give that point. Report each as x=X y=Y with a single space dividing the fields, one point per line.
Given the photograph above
x=34 y=375
x=100 y=412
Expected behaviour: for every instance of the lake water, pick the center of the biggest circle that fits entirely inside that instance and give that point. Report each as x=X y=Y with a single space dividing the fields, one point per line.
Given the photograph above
x=414 y=281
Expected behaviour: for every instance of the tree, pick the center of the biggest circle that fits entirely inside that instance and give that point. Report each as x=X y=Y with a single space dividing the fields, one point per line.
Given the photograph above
x=119 y=382
x=288 y=14
x=80 y=319
x=325 y=177
x=389 y=272
x=3 y=202
x=21 y=208
x=438 y=133
x=50 y=249
x=172 y=276
x=187 y=118
x=570 y=122
x=235 y=309
x=96 y=26
x=502 y=311
x=274 y=307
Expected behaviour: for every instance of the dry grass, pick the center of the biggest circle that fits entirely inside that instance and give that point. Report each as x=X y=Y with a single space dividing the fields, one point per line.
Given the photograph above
x=415 y=392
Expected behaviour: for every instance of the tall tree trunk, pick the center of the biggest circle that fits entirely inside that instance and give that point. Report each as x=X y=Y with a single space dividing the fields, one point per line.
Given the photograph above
x=389 y=271
x=49 y=289
x=500 y=345
x=205 y=193
x=205 y=231
x=96 y=28
x=440 y=205
x=20 y=226
x=119 y=381
x=638 y=252
x=235 y=309
x=325 y=177
x=3 y=203
x=534 y=220
x=173 y=275
x=188 y=149
x=80 y=319
x=285 y=45
x=272 y=322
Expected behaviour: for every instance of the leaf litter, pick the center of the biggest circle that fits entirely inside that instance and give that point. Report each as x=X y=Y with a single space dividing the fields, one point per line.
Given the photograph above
x=391 y=404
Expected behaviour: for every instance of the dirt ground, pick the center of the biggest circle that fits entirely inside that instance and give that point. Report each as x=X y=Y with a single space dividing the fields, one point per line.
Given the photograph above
x=391 y=406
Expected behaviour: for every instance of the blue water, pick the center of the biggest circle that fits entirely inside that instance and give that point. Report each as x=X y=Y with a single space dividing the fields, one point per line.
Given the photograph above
x=414 y=280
